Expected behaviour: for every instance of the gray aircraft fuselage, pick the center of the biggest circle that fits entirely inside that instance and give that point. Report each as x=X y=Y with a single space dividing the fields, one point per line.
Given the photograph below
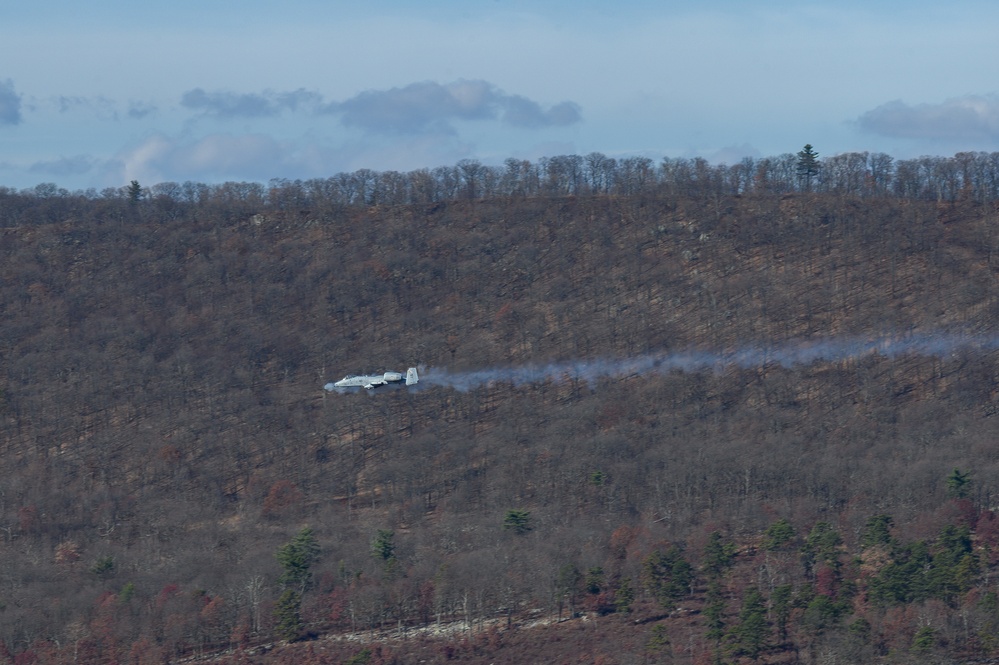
x=372 y=381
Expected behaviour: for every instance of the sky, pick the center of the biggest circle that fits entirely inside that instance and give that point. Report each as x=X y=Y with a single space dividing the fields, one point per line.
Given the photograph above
x=95 y=95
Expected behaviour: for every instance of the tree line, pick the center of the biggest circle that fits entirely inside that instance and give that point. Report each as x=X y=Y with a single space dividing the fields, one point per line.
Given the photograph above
x=967 y=175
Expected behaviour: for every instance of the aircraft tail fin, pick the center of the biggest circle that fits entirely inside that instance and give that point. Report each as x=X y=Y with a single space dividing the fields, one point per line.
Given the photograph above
x=411 y=377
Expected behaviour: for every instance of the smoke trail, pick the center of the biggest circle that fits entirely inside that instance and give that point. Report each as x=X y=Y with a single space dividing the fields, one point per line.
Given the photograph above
x=785 y=355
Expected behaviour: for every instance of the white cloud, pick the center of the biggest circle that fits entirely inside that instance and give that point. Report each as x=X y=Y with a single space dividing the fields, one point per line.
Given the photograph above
x=258 y=158
x=210 y=158
x=424 y=107
x=430 y=107
x=974 y=117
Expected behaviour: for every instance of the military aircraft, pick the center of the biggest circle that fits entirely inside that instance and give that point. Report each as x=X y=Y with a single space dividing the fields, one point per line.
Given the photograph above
x=372 y=381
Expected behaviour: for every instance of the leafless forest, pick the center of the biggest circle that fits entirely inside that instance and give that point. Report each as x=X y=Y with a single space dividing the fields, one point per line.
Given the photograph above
x=175 y=482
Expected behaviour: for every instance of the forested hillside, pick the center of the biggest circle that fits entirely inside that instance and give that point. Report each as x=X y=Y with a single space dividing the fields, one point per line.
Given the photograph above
x=176 y=482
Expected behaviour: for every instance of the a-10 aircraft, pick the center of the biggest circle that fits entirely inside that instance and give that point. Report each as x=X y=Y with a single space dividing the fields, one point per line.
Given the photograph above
x=372 y=381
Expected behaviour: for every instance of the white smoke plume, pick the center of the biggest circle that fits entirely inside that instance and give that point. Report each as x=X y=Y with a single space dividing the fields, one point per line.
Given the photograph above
x=786 y=355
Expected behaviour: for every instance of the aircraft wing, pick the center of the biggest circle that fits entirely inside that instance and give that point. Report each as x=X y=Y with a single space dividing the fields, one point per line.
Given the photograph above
x=372 y=381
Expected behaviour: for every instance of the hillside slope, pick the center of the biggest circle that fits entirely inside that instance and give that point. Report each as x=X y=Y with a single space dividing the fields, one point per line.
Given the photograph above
x=165 y=431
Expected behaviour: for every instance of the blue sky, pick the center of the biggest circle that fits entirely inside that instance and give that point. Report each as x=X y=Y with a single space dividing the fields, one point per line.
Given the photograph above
x=219 y=90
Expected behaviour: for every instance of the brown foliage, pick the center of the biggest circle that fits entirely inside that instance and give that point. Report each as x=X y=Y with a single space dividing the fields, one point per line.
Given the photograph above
x=283 y=499
x=161 y=404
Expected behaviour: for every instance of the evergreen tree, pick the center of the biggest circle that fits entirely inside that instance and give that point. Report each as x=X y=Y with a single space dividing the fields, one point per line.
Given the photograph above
x=858 y=638
x=718 y=556
x=126 y=592
x=383 y=545
x=296 y=557
x=820 y=612
x=104 y=567
x=808 y=166
x=954 y=563
x=958 y=484
x=383 y=549
x=906 y=578
x=924 y=641
x=821 y=546
x=518 y=521
x=658 y=644
x=778 y=535
x=667 y=576
x=624 y=596
x=988 y=625
x=714 y=613
x=594 y=580
x=134 y=192
x=780 y=603
x=362 y=657
x=288 y=615
x=750 y=633
x=877 y=531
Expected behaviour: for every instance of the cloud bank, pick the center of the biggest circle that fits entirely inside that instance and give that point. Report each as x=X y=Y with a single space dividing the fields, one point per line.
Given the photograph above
x=216 y=156
x=259 y=157
x=403 y=128
x=972 y=117
x=425 y=107
x=249 y=105
x=430 y=107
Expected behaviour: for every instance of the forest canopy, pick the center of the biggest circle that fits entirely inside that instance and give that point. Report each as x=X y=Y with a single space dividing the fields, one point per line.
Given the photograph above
x=970 y=175
x=177 y=483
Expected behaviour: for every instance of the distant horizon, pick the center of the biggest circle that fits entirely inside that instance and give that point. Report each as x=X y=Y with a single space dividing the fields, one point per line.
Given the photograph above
x=54 y=188
x=254 y=91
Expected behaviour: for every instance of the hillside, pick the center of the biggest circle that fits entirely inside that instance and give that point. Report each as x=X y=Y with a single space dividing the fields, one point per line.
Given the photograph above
x=165 y=434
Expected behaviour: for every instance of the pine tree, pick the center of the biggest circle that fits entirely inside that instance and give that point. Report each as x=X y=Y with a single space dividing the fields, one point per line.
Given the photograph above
x=718 y=556
x=877 y=531
x=594 y=582
x=667 y=576
x=134 y=192
x=658 y=644
x=518 y=521
x=808 y=166
x=778 y=535
x=751 y=631
x=821 y=546
x=958 y=484
x=624 y=596
x=296 y=557
x=780 y=602
x=924 y=641
x=288 y=615
x=383 y=546
x=714 y=612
